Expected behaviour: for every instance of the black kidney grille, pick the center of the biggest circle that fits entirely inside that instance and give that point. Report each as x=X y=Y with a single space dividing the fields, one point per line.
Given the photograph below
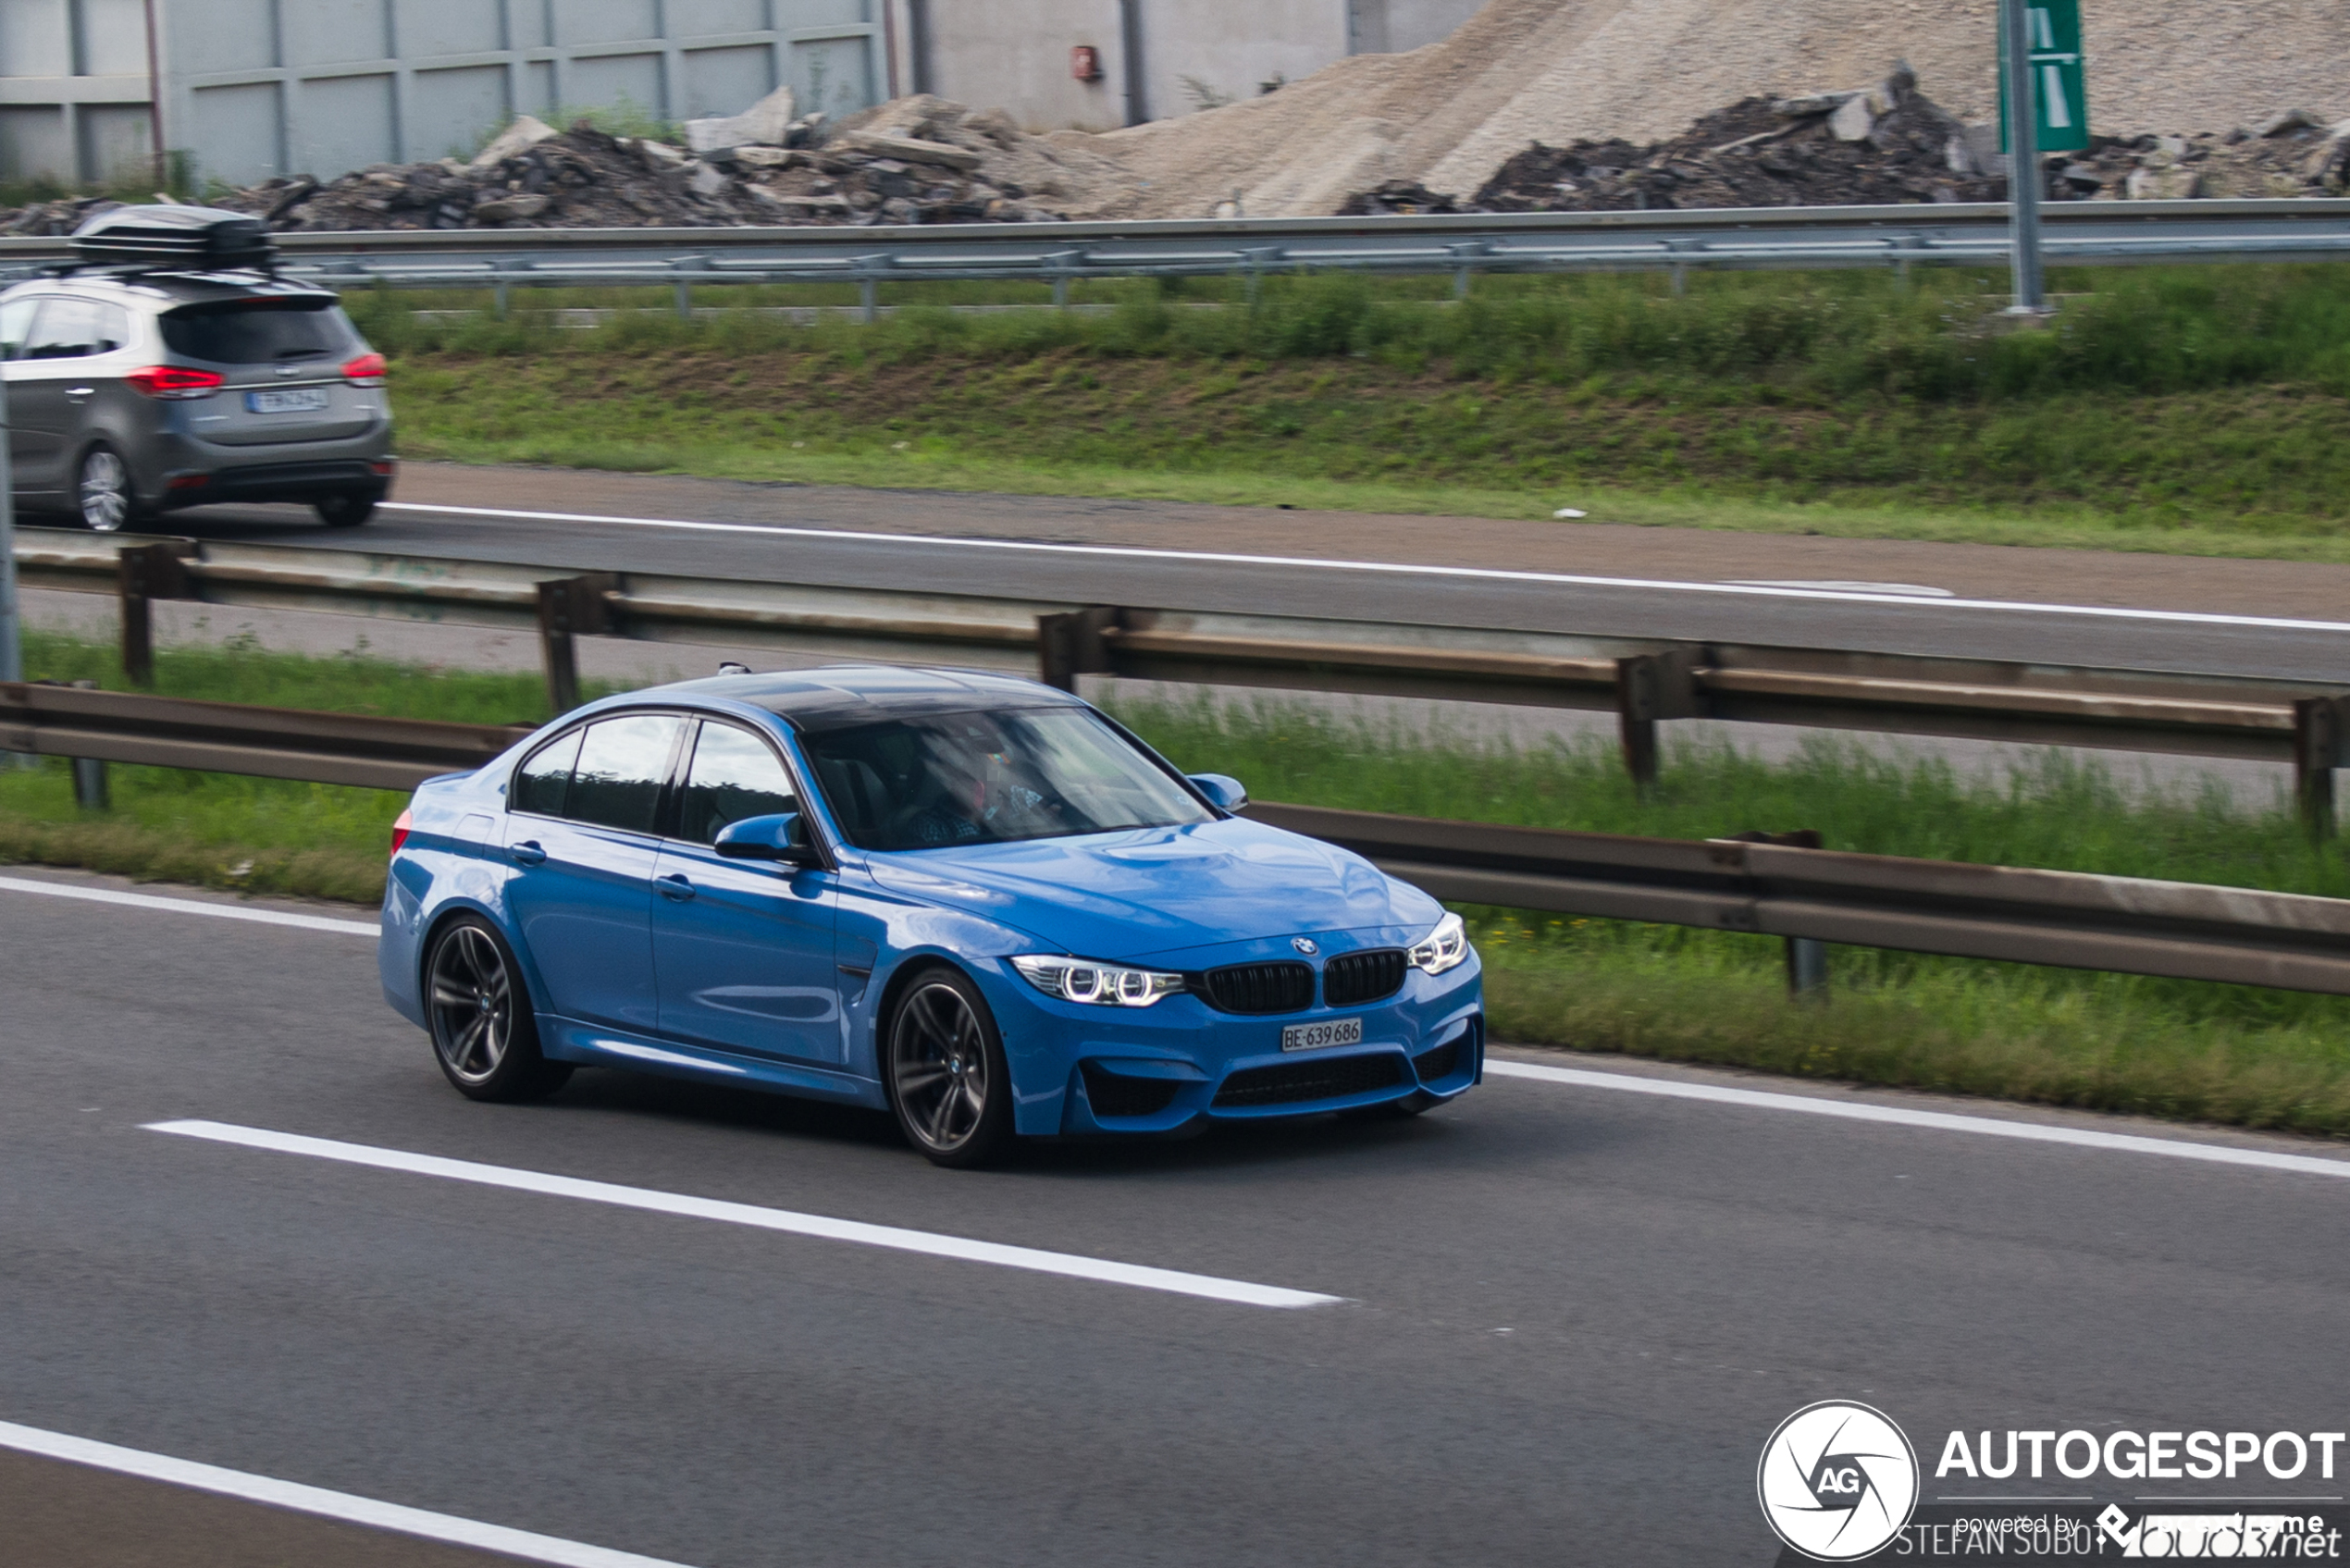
x=1290 y=1083
x=1354 y=977
x=1114 y=1095
x=1442 y=1062
x=1282 y=987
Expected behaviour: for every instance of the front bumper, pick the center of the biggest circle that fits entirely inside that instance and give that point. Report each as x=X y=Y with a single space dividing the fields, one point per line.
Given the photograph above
x=1181 y=1065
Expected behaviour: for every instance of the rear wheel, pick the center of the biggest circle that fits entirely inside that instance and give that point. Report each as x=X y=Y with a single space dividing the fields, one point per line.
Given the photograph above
x=102 y=491
x=944 y=1065
x=483 y=1033
x=344 y=511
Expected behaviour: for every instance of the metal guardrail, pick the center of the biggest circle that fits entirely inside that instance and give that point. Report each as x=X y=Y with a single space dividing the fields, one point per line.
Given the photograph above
x=1644 y=682
x=2065 y=918
x=1462 y=245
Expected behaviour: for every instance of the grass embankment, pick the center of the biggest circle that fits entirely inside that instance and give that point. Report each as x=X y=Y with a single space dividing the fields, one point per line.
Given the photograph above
x=2172 y=1048
x=2188 y=409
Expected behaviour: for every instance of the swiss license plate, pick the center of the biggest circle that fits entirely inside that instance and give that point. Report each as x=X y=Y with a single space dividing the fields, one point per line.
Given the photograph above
x=293 y=399
x=1314 y=1036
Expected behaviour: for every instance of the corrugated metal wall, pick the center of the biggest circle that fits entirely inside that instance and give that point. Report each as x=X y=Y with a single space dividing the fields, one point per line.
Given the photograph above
x=253 y=88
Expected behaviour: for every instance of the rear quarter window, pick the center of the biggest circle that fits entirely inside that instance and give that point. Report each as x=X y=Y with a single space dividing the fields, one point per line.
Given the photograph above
x=259 y=332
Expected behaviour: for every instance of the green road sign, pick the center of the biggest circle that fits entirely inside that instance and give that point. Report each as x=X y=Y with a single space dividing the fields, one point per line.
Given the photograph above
x=2059 y=94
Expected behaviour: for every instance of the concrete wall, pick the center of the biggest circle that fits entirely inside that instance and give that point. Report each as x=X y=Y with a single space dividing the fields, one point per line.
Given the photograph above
x=253 y=88
x=1013 y=54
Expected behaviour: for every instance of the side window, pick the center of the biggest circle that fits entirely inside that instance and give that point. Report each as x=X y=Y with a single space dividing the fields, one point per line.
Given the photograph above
x=70 y=328
x=540 y=782
x=733 y=776
x=16 y=321
x=623 y=763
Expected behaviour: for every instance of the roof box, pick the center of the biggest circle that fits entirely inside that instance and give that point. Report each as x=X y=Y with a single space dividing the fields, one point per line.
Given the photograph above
x=182 y=238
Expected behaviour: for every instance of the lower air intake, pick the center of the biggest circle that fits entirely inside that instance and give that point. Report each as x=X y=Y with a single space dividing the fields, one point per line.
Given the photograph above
x=1114 y=1095
x=1291 y=1084
x=1442 y=1062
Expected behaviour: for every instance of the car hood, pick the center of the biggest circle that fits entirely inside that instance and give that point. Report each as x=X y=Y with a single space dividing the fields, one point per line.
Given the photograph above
x=1129 y=895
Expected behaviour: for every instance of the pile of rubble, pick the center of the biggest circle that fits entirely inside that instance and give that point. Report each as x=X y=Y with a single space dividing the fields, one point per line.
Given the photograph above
x=912 y=161
x=1884 y=144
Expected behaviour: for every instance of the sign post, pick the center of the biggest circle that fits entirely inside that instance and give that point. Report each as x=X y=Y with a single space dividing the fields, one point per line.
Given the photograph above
x=2043 y=108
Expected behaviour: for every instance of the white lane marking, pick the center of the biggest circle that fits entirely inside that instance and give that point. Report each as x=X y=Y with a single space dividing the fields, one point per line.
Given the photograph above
x=1941 y=1121
x=785 y=1221
x=1486 y=573
x=1912 y=590
x=353 y=1510
x=190 y=907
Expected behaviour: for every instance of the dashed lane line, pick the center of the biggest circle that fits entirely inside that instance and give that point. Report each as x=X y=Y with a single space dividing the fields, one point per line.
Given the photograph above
x=395 y=1517
x=963 y=1249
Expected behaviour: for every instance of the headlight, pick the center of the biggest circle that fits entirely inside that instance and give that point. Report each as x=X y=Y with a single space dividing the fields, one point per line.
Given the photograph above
x=1445 y=947
x=1105 y=985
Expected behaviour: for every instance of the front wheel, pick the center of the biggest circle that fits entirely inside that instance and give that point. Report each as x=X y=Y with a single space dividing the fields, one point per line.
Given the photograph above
x=946 y=1071
x=102 y=492
x=483 y=1032
x=344 y=511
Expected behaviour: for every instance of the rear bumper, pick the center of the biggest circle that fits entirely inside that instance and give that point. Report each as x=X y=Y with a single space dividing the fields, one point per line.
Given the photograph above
x=278 y=481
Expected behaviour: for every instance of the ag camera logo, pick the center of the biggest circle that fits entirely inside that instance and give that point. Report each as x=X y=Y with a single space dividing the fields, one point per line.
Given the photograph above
x=1838 y=1480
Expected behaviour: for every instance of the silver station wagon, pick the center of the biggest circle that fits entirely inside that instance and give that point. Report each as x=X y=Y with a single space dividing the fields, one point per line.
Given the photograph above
x=169 y=365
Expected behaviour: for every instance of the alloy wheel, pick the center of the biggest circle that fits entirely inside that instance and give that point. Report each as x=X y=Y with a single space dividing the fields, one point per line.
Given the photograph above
x=472 y=1003
x=938 y=1065
x=105 y=491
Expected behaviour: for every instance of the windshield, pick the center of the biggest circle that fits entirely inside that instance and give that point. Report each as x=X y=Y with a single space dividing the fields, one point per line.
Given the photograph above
x=258 y=331
x=986 y=778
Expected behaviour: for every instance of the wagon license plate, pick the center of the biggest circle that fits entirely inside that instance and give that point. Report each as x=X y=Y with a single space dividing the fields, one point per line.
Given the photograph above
x=293 y=399
x=1314 y=1036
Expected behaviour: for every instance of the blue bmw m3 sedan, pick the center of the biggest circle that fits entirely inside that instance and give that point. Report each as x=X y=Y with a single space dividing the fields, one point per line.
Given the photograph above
x=975 y=901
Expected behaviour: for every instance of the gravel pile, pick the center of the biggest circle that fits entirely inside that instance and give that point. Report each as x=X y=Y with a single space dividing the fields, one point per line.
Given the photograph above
x=1559 y=72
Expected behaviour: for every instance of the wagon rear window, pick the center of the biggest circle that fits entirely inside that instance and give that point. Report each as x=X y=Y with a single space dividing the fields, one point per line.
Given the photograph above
x=258 y=331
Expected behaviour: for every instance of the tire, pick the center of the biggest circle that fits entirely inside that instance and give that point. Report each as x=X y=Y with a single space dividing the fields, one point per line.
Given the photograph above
x=943 y=1062
x=344 y=511
x=103 y=495
x=484 y=1035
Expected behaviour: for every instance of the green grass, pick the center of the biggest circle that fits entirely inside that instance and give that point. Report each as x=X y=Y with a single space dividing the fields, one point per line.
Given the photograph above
x=2191 y=409
x=2227 y=1054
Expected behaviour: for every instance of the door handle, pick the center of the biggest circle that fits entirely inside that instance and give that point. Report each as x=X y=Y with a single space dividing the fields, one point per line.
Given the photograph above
x=527 y=853
x=675 y=888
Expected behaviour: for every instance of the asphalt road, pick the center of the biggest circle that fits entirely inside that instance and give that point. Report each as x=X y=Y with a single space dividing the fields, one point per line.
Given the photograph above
x=1570 y=1315
x=1652 y=582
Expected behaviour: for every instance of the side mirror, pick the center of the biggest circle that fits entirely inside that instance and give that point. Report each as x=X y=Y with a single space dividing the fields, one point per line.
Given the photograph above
x=782 y=837
x=1223 y=790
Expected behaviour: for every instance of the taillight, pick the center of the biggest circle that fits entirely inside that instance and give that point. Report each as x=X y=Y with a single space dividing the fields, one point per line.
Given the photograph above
x=367 y=370
x=174 y=382
x=400 y=830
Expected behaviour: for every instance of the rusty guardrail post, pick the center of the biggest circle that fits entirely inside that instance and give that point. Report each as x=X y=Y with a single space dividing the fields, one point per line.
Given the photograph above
x=1070 y=644
x=2318 y=727
x=1650 y=686
x=146 y=573
x=569 y=608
